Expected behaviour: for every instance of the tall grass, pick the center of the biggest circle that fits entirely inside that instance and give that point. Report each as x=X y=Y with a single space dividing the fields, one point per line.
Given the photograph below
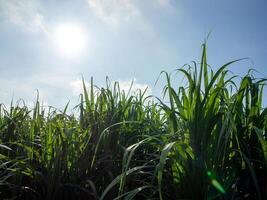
x=207 y=142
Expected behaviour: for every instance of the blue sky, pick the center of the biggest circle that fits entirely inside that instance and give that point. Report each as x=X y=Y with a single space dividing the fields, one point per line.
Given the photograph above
x=124 y=39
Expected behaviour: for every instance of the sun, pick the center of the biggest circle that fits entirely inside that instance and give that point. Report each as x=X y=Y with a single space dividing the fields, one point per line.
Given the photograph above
x=70 y=39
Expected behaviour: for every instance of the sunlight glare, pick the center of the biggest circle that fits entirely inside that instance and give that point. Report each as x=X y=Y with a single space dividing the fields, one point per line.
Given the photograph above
x=70 y=39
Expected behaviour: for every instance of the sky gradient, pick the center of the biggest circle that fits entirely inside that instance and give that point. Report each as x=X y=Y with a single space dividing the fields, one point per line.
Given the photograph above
x=125 y=40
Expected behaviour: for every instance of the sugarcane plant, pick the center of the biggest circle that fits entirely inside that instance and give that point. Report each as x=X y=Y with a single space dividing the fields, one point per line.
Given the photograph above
x=204 y=139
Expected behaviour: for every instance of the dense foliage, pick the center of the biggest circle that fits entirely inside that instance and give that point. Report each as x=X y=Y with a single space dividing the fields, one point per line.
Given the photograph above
x=205 y=140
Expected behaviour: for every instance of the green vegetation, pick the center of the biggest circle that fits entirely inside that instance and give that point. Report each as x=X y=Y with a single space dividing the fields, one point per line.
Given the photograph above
x=207 y=142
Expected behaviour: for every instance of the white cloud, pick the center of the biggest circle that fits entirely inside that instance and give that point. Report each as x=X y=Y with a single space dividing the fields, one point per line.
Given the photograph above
x=77 y=86
x=23 y=13
x=163 y=3
x=116 y=12
x=126 y=85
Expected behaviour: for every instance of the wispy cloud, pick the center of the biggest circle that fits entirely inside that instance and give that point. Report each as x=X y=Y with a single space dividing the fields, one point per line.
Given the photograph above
x=117 y=12
x=163 y=3
x=23 y=13
x=114 y=12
